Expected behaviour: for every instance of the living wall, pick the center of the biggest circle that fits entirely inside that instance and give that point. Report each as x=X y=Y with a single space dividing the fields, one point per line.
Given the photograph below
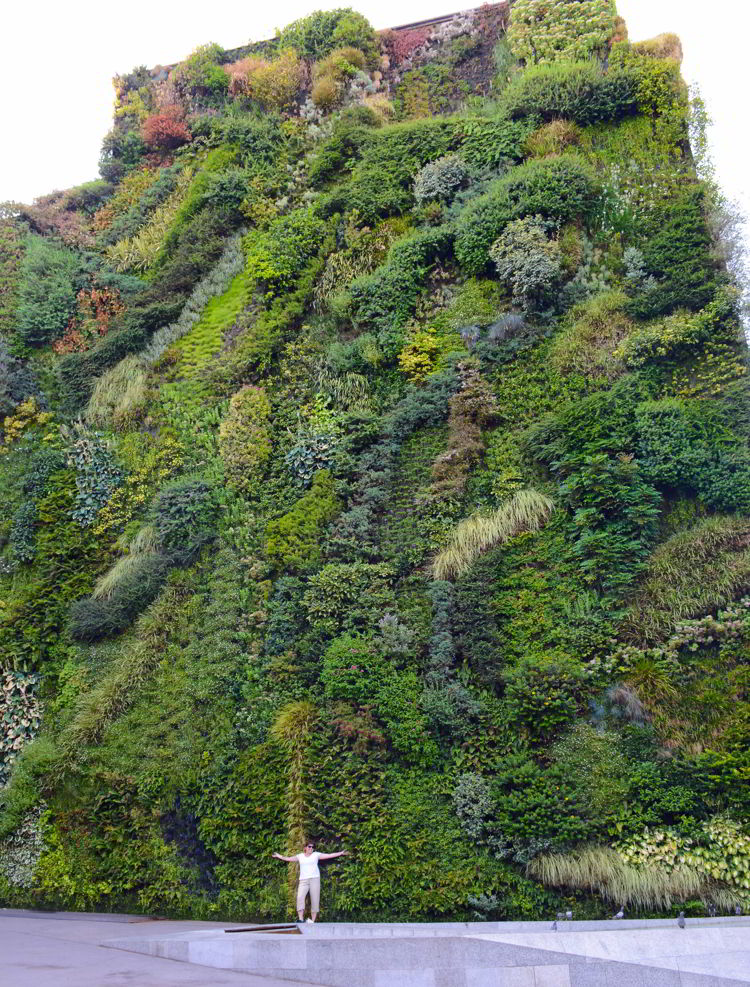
x=374 y=467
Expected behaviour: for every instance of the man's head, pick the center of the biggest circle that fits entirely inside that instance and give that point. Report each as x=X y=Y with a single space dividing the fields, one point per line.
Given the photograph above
x=309 y=848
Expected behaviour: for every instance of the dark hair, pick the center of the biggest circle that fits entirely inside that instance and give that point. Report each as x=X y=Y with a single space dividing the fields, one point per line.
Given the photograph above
x=310 y=843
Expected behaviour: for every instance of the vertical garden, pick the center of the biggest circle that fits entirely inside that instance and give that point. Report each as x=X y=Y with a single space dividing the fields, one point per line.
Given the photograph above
x=375 y=467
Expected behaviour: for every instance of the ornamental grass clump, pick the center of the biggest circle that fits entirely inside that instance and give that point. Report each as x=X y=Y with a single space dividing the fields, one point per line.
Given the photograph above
x=138 y=252
x=119 y=396
x=526 y=510
x=604 y=872
x=690 y=574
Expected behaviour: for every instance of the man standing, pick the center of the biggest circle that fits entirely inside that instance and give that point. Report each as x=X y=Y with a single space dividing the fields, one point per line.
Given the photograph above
x=309 y=877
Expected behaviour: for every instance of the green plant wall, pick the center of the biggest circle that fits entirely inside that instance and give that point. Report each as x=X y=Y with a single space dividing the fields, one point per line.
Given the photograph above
x=374 y=468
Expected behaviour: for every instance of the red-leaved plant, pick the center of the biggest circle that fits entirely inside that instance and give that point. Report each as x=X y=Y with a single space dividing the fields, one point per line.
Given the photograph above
x=166 y=130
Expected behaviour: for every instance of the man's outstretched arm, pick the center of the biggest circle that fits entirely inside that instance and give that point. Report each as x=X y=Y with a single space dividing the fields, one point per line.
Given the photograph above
x=287 y=860
x=329 y=856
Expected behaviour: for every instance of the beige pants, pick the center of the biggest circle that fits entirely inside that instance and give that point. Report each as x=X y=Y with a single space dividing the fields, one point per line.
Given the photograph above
x=311 y=884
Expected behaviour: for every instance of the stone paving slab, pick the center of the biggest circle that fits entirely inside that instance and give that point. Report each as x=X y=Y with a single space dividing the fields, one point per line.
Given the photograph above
x=705 y=954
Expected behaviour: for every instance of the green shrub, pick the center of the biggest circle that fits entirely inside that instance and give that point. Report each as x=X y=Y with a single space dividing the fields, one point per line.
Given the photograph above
x=22 y=538
x=384 y=300
x=614 y=522
x=314 y=36
x=529 y=260
x=398 y=706
x=184 y=516
x=201 y=78
x=577 y=29
x=381 y=182
x=50 y=279
x=681 y=443
x=120 y=152
x=579 y=91
x=556 y=188
x=17 y=381
x=293 y=541
x=543 y=695
x=491 y=143
x=277 y=257
x=245 y=438
x=677 y=253
x=535 y=809
x=349 y=596
x=352 y=670
x=355 y=31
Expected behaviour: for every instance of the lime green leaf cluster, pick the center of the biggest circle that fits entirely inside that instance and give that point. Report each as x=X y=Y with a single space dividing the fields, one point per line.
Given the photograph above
x=245 y=438
x=545 y=30
x=293 y=540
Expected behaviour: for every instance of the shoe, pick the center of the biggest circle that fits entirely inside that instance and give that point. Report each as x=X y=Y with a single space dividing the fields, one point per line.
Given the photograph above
x=309 y=921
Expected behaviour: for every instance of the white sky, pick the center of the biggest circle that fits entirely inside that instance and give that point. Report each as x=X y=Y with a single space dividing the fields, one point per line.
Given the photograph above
x=58 y=60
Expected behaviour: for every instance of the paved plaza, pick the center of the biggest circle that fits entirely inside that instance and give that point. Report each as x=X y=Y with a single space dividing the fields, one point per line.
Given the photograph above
x=69 y=950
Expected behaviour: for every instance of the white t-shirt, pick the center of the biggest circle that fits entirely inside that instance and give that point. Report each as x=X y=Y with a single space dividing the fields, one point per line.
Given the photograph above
x=308 y=865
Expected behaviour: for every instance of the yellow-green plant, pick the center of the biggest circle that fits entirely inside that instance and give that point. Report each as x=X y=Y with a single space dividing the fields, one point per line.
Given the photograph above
x=543 y=31
x=138 y=253
x=525 y=510
x=588 y=346
x=721 y=855
x=160 y=463
x=26 y=416
x=277 y=84
x=245 y=438
x=419 y=358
